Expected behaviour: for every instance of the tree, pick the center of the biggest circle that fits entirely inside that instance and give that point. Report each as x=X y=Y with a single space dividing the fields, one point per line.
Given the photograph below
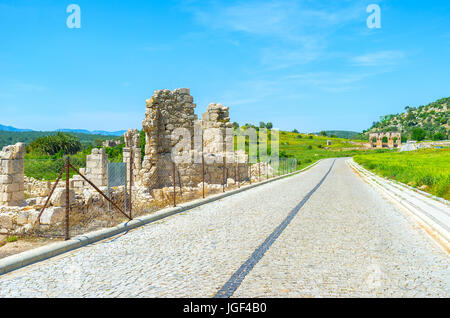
x=269 y=125
x=438 y=136
x=235 y=125
x=418 y=134
x=295 y=131
x=323 y=133
x=56 y=144
x=262 y=124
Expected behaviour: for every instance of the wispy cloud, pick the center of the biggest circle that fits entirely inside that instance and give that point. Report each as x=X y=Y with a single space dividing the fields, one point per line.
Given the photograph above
x=380 y=58
x=301 y=28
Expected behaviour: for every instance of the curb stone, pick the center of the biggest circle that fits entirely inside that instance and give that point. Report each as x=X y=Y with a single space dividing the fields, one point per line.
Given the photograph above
x=14 y=262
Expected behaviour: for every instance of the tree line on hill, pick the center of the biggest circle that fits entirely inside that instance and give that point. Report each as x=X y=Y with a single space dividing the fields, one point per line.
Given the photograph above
x=431 y=122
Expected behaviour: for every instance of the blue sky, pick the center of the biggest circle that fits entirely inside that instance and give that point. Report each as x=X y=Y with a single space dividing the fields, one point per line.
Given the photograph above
x=309 y=65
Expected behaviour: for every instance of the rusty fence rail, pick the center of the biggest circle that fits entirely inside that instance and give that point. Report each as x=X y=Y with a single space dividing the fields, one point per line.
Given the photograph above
x=107 y=206
x=263 y=170
x=62 y=228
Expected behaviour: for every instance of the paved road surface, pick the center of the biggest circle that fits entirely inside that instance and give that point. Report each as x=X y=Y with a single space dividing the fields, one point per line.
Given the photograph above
x=344 y=239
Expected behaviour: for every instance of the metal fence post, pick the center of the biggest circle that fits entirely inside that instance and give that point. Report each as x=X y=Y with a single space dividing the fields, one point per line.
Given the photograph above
x=223 y=172
x=203 y=168
x=125 y=190
x=259 y=170
x=267 y=167
x=67 y=236
x=107 y=185
x=249 y=169
x=131 y=180
x=239 y=175
x=174 y=185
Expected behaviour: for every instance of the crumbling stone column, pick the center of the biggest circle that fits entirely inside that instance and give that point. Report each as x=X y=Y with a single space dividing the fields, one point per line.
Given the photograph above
x=165 y=111
x=12 y=175
x=132 y=146
x=96 y=167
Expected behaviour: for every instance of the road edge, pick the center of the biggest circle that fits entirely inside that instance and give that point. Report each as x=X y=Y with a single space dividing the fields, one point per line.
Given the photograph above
x=433 y=230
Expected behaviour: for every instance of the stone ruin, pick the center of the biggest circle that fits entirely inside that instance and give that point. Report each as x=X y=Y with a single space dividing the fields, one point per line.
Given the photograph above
x=12 y=175
x=394 y=140
x=168 y=110
x=152 y=176
x=132 y=148
x=111 y=143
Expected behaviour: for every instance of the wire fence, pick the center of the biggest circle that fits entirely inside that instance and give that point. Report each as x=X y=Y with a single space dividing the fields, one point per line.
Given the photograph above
x=70 y=202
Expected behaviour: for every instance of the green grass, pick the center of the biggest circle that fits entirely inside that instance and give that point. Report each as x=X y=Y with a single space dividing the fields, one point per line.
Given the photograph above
x=427 y=169
x=308 y=151
x=11 y=239
x=44 y=167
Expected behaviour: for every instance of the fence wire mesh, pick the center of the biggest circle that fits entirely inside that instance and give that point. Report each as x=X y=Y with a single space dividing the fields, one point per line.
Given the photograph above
x=96 y=205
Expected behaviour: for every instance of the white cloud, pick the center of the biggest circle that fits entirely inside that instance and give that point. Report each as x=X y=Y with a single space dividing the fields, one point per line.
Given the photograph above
x=380 y=58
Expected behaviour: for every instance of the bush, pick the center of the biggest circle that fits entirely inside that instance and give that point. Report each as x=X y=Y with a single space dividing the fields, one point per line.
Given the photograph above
x=439 y=136
x=60 y=143
x=418 y=134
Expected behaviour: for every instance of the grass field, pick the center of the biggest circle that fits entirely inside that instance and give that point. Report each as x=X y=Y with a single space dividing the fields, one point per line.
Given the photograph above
x=307 y=150
x=428 y=169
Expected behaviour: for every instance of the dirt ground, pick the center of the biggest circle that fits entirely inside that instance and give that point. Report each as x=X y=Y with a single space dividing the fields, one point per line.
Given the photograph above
x=21 y=245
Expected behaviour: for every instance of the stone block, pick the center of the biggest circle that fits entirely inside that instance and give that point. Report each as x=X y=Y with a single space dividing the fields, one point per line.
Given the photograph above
x=6 y=222
x=59 y=197
x=22 y=218
x=10 y=188
x=5 y=197
x=6 y=179
x=52 y=216
x=33 y=216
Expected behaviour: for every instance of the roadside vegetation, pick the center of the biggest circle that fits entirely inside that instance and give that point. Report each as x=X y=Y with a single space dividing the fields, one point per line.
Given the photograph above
x=46 y=155
x=427 y=170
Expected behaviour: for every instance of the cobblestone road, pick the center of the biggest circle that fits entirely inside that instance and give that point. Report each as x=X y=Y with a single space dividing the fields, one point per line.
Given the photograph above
x=345 y=241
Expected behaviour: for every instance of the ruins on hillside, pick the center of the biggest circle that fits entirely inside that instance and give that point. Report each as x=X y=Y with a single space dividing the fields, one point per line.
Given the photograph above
x=394 y=140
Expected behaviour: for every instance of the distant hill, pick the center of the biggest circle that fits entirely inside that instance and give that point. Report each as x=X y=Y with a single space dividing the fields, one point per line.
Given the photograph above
x=95 y=132
x=10 y=128
x=78 y=131
x=433 y=119
x=13 y=137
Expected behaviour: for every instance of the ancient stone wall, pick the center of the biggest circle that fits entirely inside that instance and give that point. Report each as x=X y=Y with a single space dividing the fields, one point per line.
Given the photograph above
x=165 y=111
x=12 y=175
x=168 y=110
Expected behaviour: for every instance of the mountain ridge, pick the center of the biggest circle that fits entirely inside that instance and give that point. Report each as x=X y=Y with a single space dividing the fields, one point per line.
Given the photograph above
x=81 y=131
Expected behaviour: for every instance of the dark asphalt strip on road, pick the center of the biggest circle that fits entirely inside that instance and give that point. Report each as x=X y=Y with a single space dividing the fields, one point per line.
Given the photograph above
x=235 y=281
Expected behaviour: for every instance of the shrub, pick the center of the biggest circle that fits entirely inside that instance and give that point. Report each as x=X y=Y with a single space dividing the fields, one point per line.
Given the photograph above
x=60 y=143
x=418 y=134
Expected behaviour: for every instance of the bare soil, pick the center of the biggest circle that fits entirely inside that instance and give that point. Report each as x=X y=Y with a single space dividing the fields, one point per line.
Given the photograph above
x=21 y=245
